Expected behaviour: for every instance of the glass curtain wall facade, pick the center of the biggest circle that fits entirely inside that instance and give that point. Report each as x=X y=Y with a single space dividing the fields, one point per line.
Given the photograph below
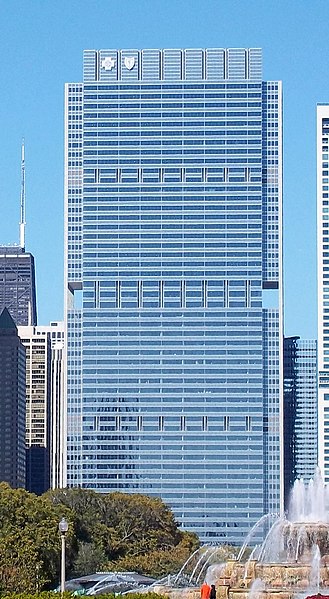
x=300 y=410
x=173 y=283
x=17 y=284
x=12 y=403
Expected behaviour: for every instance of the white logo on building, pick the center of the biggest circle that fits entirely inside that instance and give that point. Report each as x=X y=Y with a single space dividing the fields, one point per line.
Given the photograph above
x=129 y=62
x=108 y=63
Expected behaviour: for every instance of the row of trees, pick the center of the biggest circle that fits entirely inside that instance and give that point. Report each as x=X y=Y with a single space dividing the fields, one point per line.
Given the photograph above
x=112 y=531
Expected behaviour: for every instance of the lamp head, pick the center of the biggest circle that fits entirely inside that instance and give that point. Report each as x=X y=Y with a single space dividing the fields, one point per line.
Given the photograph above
x=63 y=526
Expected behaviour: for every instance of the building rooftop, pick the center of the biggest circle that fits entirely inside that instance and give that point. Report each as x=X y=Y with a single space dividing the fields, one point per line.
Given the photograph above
x=6 y=321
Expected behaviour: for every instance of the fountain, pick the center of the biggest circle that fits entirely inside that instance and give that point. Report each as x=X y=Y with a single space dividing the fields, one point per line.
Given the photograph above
x=292 y=562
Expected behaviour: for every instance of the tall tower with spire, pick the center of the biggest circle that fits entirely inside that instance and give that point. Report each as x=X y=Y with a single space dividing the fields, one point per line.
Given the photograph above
x=22 y=222
x=17 y=270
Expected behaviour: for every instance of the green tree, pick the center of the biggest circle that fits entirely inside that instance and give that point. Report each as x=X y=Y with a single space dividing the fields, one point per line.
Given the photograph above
x=159 y=562
x=19 y=565
x=90 y=558
x=29 y=540
x=131 y=530
x=87 y=508
x=139 y=524
x=88 y=519
x=116 y=531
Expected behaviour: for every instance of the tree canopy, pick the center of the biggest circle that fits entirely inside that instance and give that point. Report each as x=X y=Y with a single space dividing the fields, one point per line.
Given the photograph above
x=117 y=530
x=29 y=543
x=114 y=531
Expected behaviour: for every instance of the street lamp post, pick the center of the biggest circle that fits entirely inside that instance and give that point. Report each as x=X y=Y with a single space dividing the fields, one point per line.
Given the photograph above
x=63 y=526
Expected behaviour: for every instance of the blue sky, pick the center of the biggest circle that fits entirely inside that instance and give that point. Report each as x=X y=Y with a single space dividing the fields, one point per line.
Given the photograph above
x=41 y=46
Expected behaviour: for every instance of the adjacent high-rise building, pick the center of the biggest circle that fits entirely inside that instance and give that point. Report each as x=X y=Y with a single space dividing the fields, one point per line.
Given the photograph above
x=17 y=284
x=323 y=284
x=173 y=283
x=17 y=271
x=12 y=403
x=38 y=399
x=57 y=409
x=44 y=405
x=300 y=410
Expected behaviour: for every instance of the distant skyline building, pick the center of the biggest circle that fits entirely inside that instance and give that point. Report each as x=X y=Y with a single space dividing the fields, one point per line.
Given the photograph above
x=38 y=407
x=300 y=410
x=173 y=283
x=323 y=284
x=44 y=405
x=17 y=284
x=58 y=406
x=12 y=403
x=17 y=271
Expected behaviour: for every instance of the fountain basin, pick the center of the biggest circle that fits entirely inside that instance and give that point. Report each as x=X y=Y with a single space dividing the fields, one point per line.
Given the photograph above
x=292 y=562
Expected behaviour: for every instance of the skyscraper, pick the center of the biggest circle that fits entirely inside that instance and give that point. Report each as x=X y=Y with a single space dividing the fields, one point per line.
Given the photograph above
x=17 y=284
x=173 y=283
x=44 y=405
x=38 y=407
x=17 y=272
x=57 y=409
x=300 y=410
x=323 y=284
x=12 y=403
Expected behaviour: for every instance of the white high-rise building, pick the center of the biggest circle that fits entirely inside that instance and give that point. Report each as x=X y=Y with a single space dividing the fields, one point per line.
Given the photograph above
x=58 y=409
x=38 y=401
x=323 y=284
x=44 y=404
x=58 y=420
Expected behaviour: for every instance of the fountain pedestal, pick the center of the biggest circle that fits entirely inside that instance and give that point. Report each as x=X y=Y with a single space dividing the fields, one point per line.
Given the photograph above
x=292 y=561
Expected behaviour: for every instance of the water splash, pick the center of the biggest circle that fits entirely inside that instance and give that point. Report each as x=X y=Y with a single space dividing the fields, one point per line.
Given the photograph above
x=214 y=572
x=186 y=563
x=309 y=502
x=206 y=563
x=261 y=522
x=294 y=556
x=271 y=549
x=315 y=569
x=290 y=538
x=194 y=567
x=256 y=589
x=199 y=562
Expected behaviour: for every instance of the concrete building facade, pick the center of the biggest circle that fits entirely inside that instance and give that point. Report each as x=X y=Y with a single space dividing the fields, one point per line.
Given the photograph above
x=44 y=405
x=38 y=408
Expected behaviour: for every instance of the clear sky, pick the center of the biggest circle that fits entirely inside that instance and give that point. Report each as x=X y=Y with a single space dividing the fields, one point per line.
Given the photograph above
x=41 y=43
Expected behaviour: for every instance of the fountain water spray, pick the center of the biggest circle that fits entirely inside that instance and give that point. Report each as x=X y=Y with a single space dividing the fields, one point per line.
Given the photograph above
x=315 y=569
x=291 y=563
x=309 y=503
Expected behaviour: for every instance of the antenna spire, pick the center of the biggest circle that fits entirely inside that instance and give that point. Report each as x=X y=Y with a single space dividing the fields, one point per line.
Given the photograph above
x=22 y=221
